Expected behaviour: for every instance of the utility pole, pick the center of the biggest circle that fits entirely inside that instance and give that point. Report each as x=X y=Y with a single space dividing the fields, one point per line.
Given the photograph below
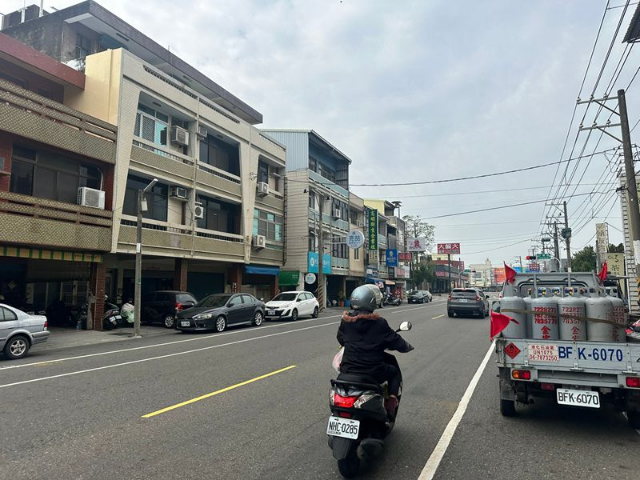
x=138 y=273
x=321 y=294
x=567 y=236
x=449 y=286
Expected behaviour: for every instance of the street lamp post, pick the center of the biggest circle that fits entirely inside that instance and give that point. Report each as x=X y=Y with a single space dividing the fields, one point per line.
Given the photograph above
x=137 y=292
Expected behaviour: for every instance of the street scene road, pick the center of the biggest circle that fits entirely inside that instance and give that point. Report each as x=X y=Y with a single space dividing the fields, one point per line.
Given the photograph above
x=104 y=411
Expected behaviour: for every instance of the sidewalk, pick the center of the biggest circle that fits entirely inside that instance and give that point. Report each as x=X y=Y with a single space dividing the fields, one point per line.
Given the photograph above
x=65 y=337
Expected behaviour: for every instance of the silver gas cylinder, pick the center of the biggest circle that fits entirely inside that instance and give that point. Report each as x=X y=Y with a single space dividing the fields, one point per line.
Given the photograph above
x=572 y=304
x=514 y=330
x=544 y=316
x=527 y=307
x=599 y=307
x=620 y=317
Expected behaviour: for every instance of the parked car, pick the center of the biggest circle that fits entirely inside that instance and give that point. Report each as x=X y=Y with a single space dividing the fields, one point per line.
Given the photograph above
x=19 y=331
x=217 y=312
x=163 y=305
x=417 y=296
x=467 y=301
x=292 y=305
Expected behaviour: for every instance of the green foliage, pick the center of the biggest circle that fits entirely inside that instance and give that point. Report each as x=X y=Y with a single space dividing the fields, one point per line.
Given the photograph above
x=423 y=272
x=584 y=260
x=417 y=227
x=615 y=248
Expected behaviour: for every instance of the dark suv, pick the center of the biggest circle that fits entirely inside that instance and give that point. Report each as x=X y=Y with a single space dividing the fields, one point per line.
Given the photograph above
x=467 y=301
x=162 y=306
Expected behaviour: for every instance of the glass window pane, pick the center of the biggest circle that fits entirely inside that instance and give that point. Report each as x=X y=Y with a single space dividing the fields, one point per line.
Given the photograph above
x=256 y=213
x=45 y=184
x=21 y=177
x=204 y=151
x=146 y=109
x=271 y=217
x=162 y=117
x=67 y=187
x=136 y=129
x=278 y=233
x=148 y=129
x=161 y=134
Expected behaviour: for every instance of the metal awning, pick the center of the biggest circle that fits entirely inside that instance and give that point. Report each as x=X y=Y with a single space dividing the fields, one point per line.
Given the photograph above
x=389 y=282
x=259 y=270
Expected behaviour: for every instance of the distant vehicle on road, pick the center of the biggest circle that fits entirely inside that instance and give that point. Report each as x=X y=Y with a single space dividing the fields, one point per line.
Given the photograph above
x=292 y=305
x=428 y=294
x=217 y=312
x=19 y=331
x=163 y=305
x=470 y=301
x=418 y=296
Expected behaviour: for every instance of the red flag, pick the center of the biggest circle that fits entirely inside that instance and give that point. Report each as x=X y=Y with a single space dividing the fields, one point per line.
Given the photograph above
x=603 y=272
x=510 y=273
x=499 y=322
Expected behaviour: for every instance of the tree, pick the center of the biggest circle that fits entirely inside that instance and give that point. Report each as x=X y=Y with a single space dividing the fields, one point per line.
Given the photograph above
x=584 y=260
x=424 y=272
x=417 y=227
x=615 y=248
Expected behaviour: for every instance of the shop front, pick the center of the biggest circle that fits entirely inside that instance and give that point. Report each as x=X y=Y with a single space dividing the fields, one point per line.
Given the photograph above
x=260 y=281
x=288 y=280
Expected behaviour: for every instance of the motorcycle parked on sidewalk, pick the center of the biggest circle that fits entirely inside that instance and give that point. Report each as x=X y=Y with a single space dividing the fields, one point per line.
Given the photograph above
x=111 y=318
x=392 y=300
x=359 y=422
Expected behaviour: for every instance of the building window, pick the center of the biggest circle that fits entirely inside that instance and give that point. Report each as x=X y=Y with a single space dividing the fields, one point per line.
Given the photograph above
x=313 y=164
x=220 y=154
x=220 y=216
x=344 y=209
x=48 y=175
x=268 y=224
x=356 y=254
x=326 y=172
x=263 y=172
x=312 y=200
x=151 y=125
x=12 y=79
x=339 y=247
x=83 y=46
x=312 y=242
x=157 y=199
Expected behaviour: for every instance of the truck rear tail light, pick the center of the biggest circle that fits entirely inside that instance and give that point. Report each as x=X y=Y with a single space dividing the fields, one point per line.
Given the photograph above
x=548 y=386
x=633 y=382
x=521 y=375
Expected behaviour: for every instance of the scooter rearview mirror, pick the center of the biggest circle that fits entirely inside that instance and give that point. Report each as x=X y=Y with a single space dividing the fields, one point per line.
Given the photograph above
x=405 y=326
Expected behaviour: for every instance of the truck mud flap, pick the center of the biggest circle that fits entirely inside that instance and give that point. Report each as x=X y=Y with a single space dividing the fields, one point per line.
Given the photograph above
x=507 y=388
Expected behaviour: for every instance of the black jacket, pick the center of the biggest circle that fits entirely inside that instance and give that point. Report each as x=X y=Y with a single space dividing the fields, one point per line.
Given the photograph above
x=365 y=337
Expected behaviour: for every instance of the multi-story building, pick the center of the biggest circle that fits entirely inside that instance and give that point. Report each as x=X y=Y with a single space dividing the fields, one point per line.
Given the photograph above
x=357 y=265
x=54 y=242
x=317 y=178
x=481 y=274
x=215 y=219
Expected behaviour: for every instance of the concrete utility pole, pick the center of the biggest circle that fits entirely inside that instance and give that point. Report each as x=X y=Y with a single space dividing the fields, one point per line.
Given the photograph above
x=138 y=284
x=449 y=286
x=321 y=294
x=630 y=174
x=567 y=237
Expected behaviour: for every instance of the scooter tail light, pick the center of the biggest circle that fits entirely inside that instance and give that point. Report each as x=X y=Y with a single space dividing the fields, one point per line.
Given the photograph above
x=363 y=399
x=344 y=402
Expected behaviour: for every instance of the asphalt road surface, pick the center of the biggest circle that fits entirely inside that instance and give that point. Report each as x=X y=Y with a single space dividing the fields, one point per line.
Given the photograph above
x=252 y=403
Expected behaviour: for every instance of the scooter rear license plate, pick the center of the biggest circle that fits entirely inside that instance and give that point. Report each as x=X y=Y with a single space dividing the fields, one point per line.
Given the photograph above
x=343 y=427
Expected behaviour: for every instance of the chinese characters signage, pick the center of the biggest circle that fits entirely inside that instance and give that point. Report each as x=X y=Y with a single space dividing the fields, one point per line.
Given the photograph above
x=416 y=244
x=372 y=228
x=449 y=248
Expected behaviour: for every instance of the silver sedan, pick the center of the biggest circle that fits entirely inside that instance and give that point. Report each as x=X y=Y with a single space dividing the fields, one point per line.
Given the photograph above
x=19 y=331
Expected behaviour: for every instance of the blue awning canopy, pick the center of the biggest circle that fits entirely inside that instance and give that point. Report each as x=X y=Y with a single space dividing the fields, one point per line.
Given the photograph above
x=258 y=270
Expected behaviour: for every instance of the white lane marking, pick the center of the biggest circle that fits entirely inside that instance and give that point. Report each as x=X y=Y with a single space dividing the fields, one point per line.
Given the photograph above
x=195 y=350
x=160 y=357
x=439 y=316
x=177 y=342
x=432 y=464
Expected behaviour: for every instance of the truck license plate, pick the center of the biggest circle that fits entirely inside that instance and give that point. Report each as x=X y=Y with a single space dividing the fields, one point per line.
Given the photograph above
x=578 y=398
x=343 y=427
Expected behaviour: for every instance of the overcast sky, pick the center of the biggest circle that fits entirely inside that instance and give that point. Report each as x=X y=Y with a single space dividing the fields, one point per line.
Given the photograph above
x=418 y=91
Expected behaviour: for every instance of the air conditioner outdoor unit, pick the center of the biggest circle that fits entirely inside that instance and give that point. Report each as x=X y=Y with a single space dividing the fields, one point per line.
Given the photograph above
x=90 y=197
x=336 y=213
x=198 y=212
x=179 y=136
x=259 y=241
x=202 y=131
x=180 y=193
x=263 y=189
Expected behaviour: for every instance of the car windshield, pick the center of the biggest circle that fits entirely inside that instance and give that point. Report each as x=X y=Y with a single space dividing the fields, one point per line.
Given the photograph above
x=214 y=301
x=414 y=292
x=285 y=297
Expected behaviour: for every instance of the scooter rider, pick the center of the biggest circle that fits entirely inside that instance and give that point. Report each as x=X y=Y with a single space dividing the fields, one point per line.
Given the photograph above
x=365 y=336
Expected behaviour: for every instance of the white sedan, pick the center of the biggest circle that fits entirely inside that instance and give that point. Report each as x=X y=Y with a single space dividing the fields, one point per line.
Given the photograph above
x=20 y=330
x=292 y=305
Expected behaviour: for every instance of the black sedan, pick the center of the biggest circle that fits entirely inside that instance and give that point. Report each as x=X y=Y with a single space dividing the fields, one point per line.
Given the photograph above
x=217 y=312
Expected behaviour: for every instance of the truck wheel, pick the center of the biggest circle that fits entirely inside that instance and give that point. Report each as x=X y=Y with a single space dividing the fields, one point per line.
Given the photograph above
x=450 y=314
x=507 y=408
x=634 y=419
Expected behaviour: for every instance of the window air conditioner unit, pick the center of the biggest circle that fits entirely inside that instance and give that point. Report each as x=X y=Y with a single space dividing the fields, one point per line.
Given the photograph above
x=202 y=131
x=259 y=241
x=180 y=193
x=336 y=213
x=198 y=212
x=90 y=197
x=263 y=189
x=179 y=136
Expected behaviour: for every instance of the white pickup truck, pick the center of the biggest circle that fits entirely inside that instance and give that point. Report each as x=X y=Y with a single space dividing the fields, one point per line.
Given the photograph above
x=577 y=373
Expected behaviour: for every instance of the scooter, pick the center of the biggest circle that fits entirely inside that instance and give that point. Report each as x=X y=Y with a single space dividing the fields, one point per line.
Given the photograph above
x=111 y=318
x=359 y=422
x=392 y=300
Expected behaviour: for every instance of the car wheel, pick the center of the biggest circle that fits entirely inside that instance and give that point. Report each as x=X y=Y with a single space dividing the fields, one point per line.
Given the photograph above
x=294 y=315
x=257 y=319
x=450 y=314
x=17 y=347
x=221 y=324
x=169 y=321
x=315 y=313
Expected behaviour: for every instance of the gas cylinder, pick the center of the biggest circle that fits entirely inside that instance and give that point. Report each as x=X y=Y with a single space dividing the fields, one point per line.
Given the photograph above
x=527 y=306
x=544 y=326
x=600 y=307
x=514 y=330
x=620 y=317
x=572 y=304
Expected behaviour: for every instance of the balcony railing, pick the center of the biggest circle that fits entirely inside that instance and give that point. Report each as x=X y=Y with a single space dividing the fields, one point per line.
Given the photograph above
x=342 y=263
x=328 y=183
x=152 y=147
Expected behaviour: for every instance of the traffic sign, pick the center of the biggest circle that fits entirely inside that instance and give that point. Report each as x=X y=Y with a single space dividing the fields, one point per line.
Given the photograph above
x=544 y=256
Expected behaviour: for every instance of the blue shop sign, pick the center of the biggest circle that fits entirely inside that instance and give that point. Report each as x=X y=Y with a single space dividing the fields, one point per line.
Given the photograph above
x=392 y=257
x=312 y=266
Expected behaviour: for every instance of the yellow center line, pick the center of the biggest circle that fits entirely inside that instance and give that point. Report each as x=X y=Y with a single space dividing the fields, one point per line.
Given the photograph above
x=439 y=316
x=217 y=392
